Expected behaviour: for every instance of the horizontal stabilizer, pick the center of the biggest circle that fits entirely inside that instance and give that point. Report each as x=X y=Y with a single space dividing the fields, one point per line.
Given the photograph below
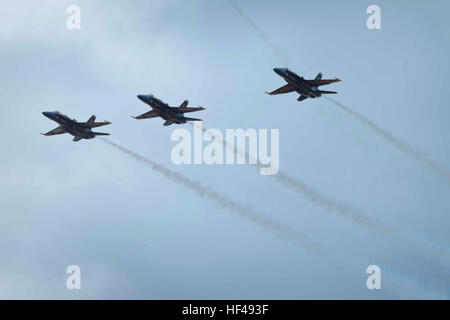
x=192 y=119
x=326 y=92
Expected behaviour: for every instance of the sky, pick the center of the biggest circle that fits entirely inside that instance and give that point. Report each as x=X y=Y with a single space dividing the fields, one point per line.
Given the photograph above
x=137 y=235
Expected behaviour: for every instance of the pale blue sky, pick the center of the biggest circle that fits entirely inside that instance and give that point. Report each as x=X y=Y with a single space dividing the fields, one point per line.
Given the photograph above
x=136 y=235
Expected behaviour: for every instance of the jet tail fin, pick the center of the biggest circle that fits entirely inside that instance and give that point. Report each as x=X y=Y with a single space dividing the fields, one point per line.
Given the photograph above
x=92 y=124
x=184 y=104
x=91 y=119
x=319 y=76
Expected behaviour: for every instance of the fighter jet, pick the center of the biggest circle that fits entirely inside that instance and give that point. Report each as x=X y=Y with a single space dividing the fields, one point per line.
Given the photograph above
x=306 y=88
x=170 y=114
x=80 y=130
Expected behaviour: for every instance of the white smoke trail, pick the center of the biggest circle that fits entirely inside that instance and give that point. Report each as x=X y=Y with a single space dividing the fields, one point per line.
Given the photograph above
x=314 y=196
x=222 y=200
x=304 y=189
x=400 y=145
x=438 y=252
x=261 y=34
x=333 y=257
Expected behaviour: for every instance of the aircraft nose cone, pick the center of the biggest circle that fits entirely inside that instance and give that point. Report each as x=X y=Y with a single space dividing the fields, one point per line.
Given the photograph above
x=50 y=114
x=279 y=71
x=143 y=98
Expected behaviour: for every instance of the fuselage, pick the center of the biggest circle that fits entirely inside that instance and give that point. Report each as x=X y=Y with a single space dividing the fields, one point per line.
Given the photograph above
x=71 y=126
x=163 y=109
x=300 y=85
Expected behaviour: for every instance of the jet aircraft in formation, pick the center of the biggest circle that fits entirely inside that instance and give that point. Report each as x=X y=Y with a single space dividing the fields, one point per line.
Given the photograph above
x=80 y=130
x=171 y=115
x=163 y=110
x=306 y=88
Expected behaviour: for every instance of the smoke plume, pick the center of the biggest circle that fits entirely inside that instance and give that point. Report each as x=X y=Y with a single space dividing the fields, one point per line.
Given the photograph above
x=307 y=191
x=261 y=34
x=222 y=200
x=400 y=145
x=434 y=250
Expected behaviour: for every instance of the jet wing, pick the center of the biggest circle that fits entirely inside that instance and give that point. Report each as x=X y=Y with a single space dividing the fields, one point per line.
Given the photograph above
x=96 y=124
x=187 y=109
x=316 y=83
x=284 y=89
x=150 y=114
x=59 y=130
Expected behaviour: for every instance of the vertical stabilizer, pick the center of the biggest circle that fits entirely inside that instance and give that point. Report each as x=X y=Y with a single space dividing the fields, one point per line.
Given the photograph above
x=184 y=104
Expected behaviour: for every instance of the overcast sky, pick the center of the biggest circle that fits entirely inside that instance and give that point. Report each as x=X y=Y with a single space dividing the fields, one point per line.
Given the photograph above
x=136 y=234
